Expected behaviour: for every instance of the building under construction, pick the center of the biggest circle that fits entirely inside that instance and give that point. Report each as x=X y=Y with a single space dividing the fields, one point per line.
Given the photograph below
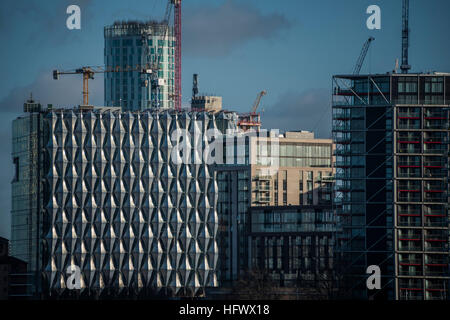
x=151 y=47
x=391 y=134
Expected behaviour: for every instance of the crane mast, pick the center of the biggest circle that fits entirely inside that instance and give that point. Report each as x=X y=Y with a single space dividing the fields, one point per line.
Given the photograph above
x=405 y=37
x=177 y=29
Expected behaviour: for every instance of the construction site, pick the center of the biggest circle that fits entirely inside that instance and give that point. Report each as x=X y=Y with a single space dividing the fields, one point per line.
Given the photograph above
x=98 y=187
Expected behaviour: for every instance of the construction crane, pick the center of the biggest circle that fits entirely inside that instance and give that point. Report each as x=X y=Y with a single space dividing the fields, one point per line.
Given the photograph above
x=177 y=27
x=156 y=82
x=405 y=37
x=362 y=55
x=88 y=74
x=252 y=119
x=258 y=101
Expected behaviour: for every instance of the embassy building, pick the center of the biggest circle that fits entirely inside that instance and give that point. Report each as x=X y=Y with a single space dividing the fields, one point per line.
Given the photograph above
x=100 y=190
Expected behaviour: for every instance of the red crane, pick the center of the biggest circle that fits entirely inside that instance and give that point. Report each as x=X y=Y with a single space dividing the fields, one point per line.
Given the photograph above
x=177 y=27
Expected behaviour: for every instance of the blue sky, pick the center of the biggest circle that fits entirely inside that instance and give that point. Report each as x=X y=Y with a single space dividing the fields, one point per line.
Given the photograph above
x=290 y=48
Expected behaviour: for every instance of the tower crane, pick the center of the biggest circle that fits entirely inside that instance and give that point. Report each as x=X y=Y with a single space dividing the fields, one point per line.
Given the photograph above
x=252 y=119
x=156 y=82
x=405 y=37
x=362 y=55
x=258 y=101
x=89 y=72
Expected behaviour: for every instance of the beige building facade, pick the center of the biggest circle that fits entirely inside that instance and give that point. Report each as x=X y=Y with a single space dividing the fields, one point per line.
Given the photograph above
x=303 y=173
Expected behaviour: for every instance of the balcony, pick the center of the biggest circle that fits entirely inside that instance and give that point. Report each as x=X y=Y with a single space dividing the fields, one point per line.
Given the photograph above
x=435 y=147
x=262 y=199
x=436 y=246
x=435 y=124
x=431 y=221
x=263 y=188
x=409 y=221
x=408 y=198
x=431 y=273
x=410 y=262
x=438 y=197
x=409 y=172
x=410 y=247
x=435 y=172
x=408 y=124
x=406 y=147
x=410 y=273
x=409 y=163
x=408 y=115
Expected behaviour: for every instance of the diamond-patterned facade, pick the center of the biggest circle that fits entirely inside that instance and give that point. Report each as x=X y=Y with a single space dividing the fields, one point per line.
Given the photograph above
x=121 y=210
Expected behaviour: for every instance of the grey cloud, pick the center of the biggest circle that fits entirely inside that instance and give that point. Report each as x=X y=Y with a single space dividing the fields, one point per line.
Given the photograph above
x=309 y=110
x=39 y=25
x=215 y=31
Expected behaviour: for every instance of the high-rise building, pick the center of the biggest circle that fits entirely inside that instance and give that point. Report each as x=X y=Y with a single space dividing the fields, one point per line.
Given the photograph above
x=144 y=47
x=290 y=176
x=102 y=190
x=391 y=135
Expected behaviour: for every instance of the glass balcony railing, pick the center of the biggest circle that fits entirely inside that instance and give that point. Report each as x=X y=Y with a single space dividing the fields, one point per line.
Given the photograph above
x=404 y=247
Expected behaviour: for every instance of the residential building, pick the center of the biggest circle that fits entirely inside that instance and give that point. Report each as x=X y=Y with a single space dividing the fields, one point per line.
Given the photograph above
x=391 y=135
x=295 y=246
x=304 y=175
x=258 y=161
x=144 y=47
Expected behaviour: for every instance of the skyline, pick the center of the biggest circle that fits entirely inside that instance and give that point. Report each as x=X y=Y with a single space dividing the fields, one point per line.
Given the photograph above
x=285 y=50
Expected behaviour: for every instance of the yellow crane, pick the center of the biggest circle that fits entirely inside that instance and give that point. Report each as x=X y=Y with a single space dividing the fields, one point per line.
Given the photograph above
x=88 y=73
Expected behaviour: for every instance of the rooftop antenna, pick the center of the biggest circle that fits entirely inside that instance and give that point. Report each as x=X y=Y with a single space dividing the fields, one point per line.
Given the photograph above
x=194 y=85
x=405 y=37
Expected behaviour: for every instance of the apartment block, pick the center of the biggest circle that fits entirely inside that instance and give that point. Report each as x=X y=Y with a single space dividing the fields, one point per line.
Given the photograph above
x=391 y=135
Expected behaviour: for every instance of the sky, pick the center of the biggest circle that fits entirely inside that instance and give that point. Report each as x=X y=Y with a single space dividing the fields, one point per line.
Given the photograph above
x=290 y=48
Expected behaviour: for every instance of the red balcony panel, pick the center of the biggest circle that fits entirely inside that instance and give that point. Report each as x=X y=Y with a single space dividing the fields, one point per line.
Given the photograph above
x=409 y=190
x=410 y=118
x=433 y=142
x=410 y=264
x=409 y=166
x=404 y=141
x=404 y=239
x=435 y=118
x=408 y=215
x=435 y=240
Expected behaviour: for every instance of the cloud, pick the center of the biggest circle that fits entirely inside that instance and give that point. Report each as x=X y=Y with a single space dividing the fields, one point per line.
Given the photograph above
x=38 y=22
x=65 y=92
x=215 y=31
x=309 y=110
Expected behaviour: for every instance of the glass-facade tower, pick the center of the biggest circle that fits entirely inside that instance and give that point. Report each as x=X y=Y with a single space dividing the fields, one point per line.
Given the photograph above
x=391 y=135
x=139 y=47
